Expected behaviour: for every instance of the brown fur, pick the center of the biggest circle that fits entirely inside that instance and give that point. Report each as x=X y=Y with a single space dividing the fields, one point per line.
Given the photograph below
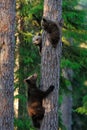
x=34 y=108
x=35 y=97
x=53 y=30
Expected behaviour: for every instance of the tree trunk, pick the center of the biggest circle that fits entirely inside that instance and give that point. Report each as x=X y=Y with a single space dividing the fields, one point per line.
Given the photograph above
x=22 y=113
x=66 y=107
x=50 y=63
x=7 y=18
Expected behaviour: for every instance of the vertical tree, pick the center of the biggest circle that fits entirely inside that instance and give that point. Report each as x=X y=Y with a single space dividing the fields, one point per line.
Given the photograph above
x=7 y=17
x=21 y=52
x=51 y=67
x=21 y=49
x=66 y=106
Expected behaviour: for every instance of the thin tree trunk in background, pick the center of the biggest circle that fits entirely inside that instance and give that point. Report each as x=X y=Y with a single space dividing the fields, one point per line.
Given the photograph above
x=22 y=113
x=50 y=63
x=66 y=106
x=66 y=110
x=7 y=19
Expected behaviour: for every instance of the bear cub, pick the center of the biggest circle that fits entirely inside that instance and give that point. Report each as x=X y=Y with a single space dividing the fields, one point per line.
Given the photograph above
x=37 y=40
x=35 y=97
x=53 y=30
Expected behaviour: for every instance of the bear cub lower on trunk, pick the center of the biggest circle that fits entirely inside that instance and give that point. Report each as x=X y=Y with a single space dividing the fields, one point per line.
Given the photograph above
x=35 y=97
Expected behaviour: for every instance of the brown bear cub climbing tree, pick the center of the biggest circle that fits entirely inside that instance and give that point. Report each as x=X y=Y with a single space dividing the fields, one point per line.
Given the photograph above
x=53 y=30
x=35 y=97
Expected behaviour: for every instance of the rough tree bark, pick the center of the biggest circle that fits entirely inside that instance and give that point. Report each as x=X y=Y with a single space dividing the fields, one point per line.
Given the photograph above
x=66 y=106
x=50 y=67
x=7 y=18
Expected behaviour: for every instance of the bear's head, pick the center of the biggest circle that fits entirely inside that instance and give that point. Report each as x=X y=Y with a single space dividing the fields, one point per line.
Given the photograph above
x=37 y=40
x=31 y=80
x=45 y=23
x=48 y=25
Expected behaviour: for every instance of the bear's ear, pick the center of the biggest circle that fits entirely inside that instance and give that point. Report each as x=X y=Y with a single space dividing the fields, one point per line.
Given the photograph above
x=35 y=75
x=33 y=78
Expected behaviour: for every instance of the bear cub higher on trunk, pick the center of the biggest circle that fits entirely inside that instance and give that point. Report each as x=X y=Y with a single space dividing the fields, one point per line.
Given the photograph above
x=53 y=29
